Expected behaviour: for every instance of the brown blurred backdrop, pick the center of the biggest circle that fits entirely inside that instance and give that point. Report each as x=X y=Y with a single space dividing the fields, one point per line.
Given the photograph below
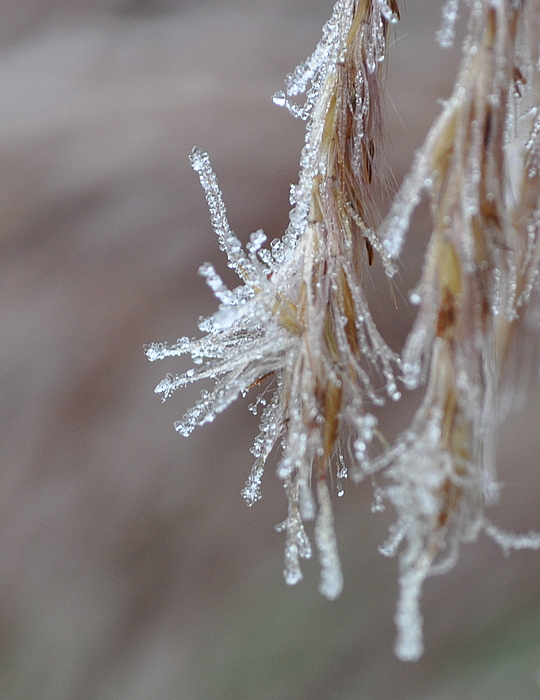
x=130 y=568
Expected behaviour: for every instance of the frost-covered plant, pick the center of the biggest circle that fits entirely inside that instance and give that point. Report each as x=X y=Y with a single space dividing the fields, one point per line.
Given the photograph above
x=479 y=165
x=300 y=321
x=299 y=326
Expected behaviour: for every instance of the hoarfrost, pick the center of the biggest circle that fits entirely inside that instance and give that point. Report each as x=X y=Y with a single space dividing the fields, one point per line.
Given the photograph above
x=510 y=540
x=445 y=35
x=325 y=538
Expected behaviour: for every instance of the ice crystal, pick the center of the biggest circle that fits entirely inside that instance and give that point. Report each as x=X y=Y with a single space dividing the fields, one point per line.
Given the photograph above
x=446 y=33
x=299 y=329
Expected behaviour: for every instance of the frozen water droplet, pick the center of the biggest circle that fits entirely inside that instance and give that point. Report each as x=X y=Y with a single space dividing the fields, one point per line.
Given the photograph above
x=256 y=241
x=279 y=99
x=445 y=36
x=292 y=576
x=224 y=317
x=293 y=195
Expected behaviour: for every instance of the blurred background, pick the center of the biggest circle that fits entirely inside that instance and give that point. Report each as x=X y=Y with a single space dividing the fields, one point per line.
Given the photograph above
x=130 y=567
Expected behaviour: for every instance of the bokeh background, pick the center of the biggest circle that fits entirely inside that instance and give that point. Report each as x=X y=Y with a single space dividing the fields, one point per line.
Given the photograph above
x=130 y=568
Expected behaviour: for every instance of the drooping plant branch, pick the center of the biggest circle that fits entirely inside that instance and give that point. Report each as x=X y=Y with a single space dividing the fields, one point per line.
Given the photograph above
x=300 y=328
x=479 y=165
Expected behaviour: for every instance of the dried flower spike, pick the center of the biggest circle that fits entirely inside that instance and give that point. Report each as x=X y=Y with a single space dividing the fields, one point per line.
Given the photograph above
x=479 y=165
x=300 y=324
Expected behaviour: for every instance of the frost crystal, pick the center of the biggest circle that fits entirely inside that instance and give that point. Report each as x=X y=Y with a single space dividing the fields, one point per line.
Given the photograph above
x=445 y=35
x=299 y=327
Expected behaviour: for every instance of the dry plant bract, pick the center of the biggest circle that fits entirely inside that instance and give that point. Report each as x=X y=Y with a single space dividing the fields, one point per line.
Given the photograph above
x=299 y=325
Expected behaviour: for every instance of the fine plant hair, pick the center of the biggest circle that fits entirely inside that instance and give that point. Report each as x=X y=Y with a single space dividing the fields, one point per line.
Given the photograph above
x=299 y=326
